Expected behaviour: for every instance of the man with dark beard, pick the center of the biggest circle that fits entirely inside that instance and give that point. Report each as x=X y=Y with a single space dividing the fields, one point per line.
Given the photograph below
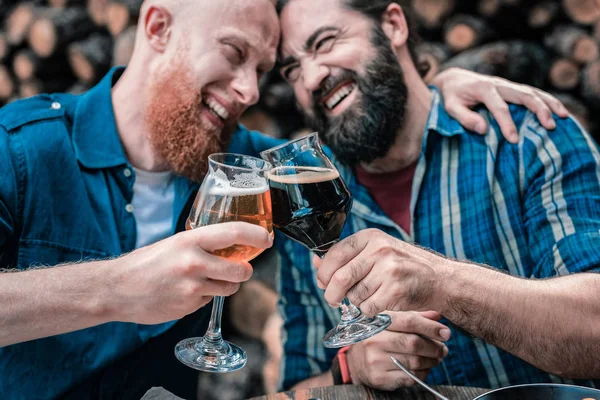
x=529 y=209
x=108 y=175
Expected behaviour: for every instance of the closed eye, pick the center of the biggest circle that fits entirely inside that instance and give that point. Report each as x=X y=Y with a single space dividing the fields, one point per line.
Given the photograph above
x=291 y=72
x=234 y=53
x=324 y=45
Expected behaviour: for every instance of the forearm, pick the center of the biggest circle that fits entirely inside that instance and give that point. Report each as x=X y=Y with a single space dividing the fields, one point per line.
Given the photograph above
x=553 y=324
x=45 y=302
x=324 y=379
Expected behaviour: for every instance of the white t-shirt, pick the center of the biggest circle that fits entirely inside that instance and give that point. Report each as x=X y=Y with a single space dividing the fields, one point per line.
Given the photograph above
x=153 y=197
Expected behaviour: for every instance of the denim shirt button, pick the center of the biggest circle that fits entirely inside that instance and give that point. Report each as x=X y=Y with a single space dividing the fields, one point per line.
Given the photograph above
x=129 y=208
x=55 y=106
x=127 y=172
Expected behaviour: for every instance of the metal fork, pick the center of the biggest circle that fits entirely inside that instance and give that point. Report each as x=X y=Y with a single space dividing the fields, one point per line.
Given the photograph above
x=420 y=382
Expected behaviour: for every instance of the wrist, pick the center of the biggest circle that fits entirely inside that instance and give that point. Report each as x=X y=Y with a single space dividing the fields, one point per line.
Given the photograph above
x=339 y=368
x=108 y=300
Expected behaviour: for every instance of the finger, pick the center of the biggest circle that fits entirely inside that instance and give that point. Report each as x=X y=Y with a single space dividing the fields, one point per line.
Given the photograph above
x=433 y=315
x=411 y=344
x=555 y=105
x=395 y=379
x=219 y=288
x=317 y=261
x=364 y=289
x=220 y=236
x=413 y=322
x=222 y=269
x=532 y=100
x=341 y=254
x=346 y=277
x=415 y=363
x=501 y=113
x=466 y=117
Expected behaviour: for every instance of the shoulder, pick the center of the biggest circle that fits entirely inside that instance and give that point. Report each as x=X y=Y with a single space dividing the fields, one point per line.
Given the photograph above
x=40 y=108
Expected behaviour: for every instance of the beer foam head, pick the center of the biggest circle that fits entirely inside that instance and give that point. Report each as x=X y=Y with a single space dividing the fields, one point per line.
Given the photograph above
x=299 y=175
x=244 y=184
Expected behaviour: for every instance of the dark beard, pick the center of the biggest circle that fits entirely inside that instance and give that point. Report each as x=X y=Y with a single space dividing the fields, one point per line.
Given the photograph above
x=177 y=132
x=367 y=130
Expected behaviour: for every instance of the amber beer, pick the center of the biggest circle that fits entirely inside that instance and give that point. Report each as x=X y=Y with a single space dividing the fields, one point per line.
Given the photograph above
x=252 y=205
x=310 y=205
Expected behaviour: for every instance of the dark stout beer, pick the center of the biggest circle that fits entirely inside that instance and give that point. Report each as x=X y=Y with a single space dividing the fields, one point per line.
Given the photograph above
x=310 y=205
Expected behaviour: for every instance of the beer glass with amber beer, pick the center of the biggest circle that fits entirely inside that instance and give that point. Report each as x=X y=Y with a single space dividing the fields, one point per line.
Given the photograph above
x=310 y=205
x=235 y=189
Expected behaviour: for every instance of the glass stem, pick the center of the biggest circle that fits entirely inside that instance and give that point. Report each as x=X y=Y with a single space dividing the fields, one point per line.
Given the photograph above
x=349 y=311
x=213 y=334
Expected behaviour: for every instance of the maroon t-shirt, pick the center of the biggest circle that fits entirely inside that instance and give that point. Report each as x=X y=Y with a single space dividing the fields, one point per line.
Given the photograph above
x=391 y=191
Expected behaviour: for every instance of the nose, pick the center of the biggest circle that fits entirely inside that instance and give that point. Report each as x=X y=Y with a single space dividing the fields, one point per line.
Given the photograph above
x=245 y=86
x=313 y=74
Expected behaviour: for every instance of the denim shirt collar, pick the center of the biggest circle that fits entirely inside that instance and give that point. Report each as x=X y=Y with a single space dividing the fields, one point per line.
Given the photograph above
x=95 y=136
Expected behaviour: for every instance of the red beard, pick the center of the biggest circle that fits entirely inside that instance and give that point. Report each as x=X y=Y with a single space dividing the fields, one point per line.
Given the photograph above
x=177 y=132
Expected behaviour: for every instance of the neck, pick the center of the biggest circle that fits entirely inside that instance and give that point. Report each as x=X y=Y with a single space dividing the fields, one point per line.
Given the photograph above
x=409 y=139
x=130 y=97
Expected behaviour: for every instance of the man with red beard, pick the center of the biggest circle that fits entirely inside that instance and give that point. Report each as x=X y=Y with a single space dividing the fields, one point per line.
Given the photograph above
x=109 y=175
x=444 y=222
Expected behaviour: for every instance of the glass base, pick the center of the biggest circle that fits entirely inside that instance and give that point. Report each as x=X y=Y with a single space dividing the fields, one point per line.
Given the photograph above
x=208 y=357
x=356 y=330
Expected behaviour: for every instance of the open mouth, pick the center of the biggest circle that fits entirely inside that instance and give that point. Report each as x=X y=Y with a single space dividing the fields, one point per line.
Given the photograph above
x=337 y=95
x=216 y=109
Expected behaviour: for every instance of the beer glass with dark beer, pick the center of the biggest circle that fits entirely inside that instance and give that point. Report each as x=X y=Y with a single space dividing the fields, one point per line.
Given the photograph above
x=235 y=189
x=310 y=205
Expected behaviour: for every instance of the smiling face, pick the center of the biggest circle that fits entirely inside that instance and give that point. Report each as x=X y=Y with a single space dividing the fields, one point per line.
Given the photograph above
x=207 y=78
x=345 y=75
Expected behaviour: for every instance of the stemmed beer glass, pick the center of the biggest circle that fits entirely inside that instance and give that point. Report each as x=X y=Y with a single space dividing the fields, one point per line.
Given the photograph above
x=310 y=204
x=235 y=189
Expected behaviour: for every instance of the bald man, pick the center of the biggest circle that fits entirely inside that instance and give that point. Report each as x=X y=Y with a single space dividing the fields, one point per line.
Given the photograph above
x=110 y=175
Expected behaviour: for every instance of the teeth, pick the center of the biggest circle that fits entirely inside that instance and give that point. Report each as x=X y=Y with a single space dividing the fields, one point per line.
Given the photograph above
x=338 y=96
x=217 y=108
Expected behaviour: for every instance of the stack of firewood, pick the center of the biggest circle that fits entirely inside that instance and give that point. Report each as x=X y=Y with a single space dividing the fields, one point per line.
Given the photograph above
x=62 y=45
x=550 y=44
x=68 y=45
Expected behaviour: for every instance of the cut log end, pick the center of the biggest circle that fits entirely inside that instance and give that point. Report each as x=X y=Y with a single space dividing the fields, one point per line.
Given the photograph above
x=7 y=85
x=81 y=67
x=124 y=45
x=118 y=18
x=564 y=74
x=432 y=12
x=489 y=8
x=23 y=66
x=97 y=10
x=42 y=37
x=585 y=50
x=4 y=48
x=461 y=37
x=591 y=83
x=542 y=14
x=18 y=23
x=582 y=11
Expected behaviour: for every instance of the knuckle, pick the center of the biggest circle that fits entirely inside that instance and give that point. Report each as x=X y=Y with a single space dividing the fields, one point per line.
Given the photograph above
x=341 y=279
x=413 y=344
x=359 y=292
x=231 y=288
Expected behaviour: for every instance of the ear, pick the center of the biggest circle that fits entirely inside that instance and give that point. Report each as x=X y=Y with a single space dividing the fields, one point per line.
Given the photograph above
x=157 y=26
x=393 y=23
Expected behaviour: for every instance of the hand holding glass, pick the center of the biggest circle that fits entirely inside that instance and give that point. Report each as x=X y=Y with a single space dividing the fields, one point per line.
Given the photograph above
x=310 y=204
x=235 y=189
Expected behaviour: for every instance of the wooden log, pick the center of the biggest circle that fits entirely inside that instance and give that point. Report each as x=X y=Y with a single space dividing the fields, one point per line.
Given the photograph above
x=576 y=108
x=124 y=44
x=489 y=8
x=519 y=61
x=18 y=23
x=91 y=58
x=7 y=83
x=55 y=29
x=37 y=86
x=5 y=7
x=4 y=47
x=78 y=88
x=543 y=14
x=65 y=3
x=431 y=13
x=97 y=10
x=590 y=84
x=431 y=56
x=574 y=43
x=564 y=74
x=584 y=12
x=121 y=14
x=462 y=32
x=27 y=66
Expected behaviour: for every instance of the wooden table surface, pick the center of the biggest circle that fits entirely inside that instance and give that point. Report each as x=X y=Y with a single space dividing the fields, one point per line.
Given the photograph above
x=351 y=392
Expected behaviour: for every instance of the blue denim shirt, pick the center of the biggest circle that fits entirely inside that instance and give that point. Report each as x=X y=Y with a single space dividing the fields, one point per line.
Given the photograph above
x=65 y=184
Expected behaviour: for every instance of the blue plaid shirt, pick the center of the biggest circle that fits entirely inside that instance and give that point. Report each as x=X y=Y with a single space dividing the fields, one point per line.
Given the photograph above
x=531 y=209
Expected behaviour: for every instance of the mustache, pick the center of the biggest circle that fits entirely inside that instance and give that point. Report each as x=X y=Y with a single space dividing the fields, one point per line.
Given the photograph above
x=330 y=83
